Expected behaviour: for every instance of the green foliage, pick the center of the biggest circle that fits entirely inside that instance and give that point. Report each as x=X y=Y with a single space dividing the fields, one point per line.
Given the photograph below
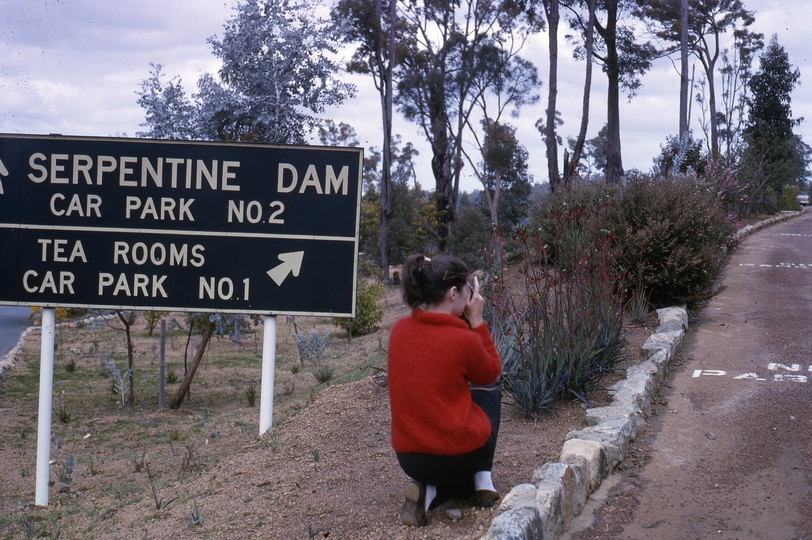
x=152 y=318
x=774 y=156
x=62 y=413
x=65 y=472
x=681 y=156
x=70 y=365
x=471 y=236
x=323 y=374
x=251 y=393
x=788 y=199
x=559 y=328
x=672 y=236
x=368 y=313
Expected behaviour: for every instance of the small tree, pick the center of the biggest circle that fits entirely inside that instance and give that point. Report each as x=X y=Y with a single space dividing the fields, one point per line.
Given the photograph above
x=368 y=313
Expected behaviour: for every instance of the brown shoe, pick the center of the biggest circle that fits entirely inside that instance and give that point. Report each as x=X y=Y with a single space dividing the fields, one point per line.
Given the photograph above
x=413 y=512
x=485 y=498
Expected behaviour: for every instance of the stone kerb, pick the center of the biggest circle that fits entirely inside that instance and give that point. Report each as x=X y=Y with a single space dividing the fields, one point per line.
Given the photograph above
x=750 y=229
x=543 y=509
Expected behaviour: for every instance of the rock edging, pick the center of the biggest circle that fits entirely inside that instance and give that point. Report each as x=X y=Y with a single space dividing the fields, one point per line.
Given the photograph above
x=543 y=509
x=750 y=229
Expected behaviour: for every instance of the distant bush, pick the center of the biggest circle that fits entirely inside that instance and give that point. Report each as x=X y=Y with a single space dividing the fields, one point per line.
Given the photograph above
x=368 y=313
x=672 y=236
x=788 y=200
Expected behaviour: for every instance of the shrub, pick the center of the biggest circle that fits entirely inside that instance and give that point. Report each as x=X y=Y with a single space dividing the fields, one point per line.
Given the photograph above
x=152 y=318
x=323 y=374
x=672 y=236
x=311 y=346
x=557 y=323
x=368 y=313
x=788 y=200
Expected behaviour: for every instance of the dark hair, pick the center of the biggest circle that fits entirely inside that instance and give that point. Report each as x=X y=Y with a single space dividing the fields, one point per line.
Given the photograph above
x=425 y=281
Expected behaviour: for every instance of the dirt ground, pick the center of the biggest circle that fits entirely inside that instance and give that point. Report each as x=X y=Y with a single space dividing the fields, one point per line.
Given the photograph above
x=326 y=469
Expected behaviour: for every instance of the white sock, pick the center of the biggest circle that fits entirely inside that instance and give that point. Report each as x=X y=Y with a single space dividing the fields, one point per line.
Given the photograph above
x=431 y=492
x=482 y=480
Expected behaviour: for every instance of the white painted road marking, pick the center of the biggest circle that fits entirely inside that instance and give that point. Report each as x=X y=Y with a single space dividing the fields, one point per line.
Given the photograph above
x=772 y=366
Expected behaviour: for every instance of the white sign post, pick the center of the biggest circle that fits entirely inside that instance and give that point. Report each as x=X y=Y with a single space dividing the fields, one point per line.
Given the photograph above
x=268 y=365
x=46 y=386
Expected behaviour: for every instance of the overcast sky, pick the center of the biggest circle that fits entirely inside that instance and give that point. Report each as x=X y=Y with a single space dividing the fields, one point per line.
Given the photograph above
x=74 y=66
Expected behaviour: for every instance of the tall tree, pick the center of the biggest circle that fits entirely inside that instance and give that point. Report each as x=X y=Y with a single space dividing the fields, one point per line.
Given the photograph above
x=571 y=163
x=277 y=75
x=622 y=58
x=684 y=94
x=372 y=25
x=436 y=85
x=551 y=11
x=769 y=124
x=708 y=20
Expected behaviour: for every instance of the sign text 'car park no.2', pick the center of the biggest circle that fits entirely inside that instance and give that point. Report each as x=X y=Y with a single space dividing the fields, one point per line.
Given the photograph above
x=178 y=225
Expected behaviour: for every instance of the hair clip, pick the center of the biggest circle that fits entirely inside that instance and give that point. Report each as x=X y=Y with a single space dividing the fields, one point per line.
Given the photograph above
x=426 y=259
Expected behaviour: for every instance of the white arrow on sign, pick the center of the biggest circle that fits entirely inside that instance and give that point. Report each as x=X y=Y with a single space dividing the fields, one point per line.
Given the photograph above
x=3 y=172
x=291 y=263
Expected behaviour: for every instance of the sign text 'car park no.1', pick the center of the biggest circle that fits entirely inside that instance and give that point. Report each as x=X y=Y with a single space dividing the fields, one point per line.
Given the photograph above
x=178 y=225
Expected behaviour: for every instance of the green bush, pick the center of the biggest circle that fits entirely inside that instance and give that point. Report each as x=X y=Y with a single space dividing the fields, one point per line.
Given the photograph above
x=368 y=313
x=557 y=321
x=672 y=236
x=788 y=200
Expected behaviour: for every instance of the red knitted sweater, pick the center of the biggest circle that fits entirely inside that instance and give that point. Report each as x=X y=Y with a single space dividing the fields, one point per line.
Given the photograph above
x=432 y=358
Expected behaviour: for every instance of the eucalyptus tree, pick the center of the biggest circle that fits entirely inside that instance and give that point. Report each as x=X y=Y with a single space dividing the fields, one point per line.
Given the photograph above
x=707 y=21
x=621 y=57
x=372 y=25
x=437 y=85
x=277 y=75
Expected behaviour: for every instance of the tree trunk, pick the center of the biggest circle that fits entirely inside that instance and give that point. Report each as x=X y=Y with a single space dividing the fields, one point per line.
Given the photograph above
x=614 y=160
x=190 y=374
x=683 y=86
x=579 y=144
x=127 y=322
x=386 y=108
x=440 y=159
x=551 y=8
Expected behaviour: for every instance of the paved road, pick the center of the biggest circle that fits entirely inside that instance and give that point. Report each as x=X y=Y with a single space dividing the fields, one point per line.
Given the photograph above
x=730 y=453
x=13 y=320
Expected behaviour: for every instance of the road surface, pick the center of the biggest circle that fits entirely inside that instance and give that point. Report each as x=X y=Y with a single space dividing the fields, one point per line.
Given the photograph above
x=729 y=453
x=13 y=320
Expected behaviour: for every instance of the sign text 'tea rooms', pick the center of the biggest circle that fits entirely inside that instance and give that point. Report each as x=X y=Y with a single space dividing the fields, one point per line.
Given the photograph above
x=144 y=224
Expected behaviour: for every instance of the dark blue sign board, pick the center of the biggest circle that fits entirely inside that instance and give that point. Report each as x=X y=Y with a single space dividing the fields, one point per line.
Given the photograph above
x=178 y=225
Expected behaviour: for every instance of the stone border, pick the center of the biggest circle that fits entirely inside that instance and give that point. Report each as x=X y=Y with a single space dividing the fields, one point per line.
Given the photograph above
x=558 y=491
x=543 y=509
x=782 y=216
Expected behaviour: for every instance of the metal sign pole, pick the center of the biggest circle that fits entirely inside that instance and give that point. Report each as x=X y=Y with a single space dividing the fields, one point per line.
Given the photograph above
x=268 y=366
x=162 y=365
x=46 y=385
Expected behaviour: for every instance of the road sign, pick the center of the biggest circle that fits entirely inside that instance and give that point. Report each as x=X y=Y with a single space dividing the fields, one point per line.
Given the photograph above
x=178 y=225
